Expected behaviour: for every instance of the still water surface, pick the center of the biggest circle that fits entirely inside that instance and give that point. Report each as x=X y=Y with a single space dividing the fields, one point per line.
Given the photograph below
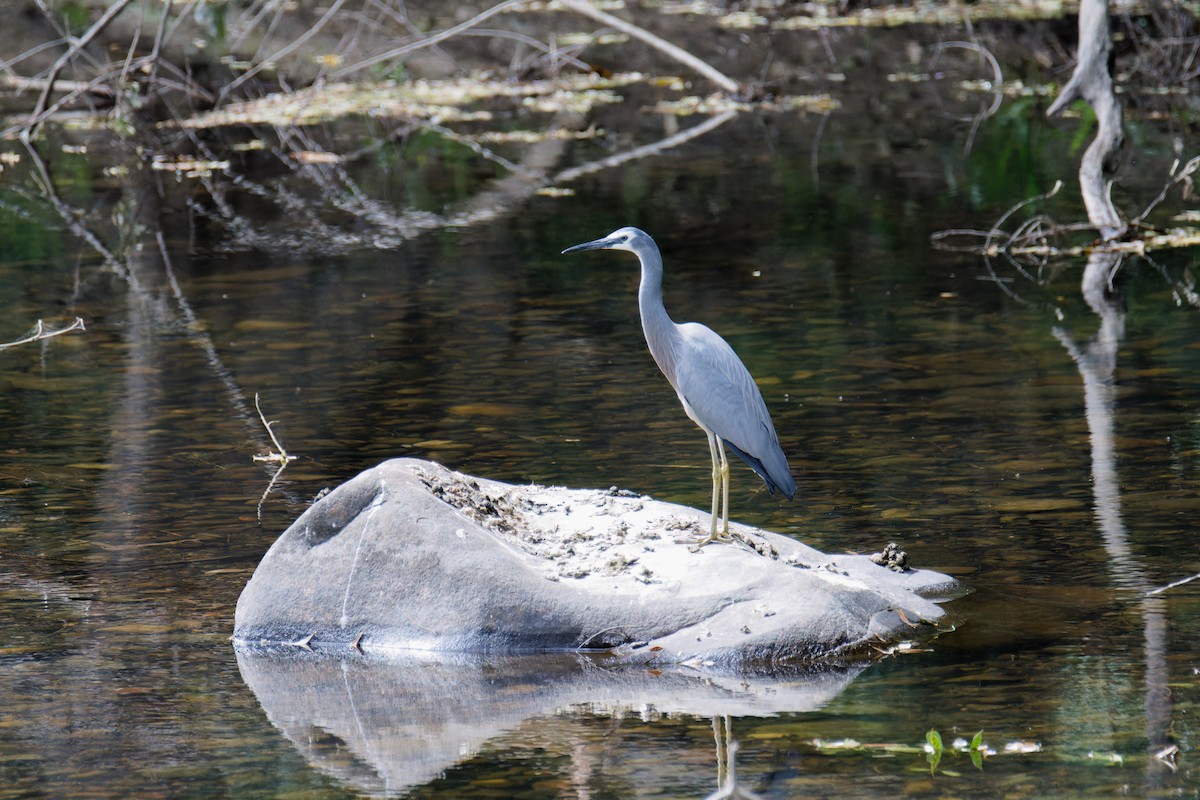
x=918 y=403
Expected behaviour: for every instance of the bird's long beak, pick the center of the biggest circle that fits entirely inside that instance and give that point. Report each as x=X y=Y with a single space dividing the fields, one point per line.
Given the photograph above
x=598 y=244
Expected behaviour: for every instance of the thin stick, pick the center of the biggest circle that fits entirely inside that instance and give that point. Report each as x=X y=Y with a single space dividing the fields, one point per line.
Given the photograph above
x=281 y=455
x=39 y=331
x=987 y=245
x=281 y=458
x=1179 y=582
x=1175 y=176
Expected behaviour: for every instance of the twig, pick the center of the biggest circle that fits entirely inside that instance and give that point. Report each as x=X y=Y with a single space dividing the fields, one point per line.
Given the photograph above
x=1172 y=585
x=677 y=53
x=273 y=457
x=281 y=457
x=987 y=244
x=1175 y=176
x=39 y=331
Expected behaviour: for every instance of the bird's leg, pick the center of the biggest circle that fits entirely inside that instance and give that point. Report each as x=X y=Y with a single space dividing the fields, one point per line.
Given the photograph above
x=718 y=458
x=724 y=492
x=720 y=478
x=714 y=447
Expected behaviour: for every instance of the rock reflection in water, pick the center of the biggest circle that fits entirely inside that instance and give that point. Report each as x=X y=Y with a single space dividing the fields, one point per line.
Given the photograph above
x=384 y=726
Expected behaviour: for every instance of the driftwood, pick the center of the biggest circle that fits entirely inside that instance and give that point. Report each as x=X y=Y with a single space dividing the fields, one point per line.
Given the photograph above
x=1091 y=82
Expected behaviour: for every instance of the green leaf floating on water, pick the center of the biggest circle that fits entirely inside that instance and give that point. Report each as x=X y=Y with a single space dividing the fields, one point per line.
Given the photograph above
x=933 y=752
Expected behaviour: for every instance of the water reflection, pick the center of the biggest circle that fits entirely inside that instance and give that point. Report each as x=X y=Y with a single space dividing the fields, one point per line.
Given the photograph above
x=1097 y=363
x=924 y=408
x=384 y=726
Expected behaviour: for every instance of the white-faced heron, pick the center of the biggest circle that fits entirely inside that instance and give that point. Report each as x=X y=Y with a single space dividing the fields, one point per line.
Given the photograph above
x=714 y=386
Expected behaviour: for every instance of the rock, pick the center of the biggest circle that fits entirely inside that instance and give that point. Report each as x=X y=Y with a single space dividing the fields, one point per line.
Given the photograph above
x=410 y=555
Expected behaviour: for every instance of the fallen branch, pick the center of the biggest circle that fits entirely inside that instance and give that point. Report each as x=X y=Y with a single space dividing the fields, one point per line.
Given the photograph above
x=39 y=331
x=1092 y=82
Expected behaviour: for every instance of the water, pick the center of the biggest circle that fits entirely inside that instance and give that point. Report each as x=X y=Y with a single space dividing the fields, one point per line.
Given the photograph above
x=919 y=402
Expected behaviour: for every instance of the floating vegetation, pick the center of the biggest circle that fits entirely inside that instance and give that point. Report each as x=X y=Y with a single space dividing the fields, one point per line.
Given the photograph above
x=439 y=101
x=719 y=104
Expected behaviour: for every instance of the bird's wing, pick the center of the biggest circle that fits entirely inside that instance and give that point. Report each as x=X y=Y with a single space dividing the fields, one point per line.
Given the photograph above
x=721 y=392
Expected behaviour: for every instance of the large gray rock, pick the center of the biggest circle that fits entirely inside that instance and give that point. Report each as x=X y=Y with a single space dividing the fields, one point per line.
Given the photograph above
x=410 y=555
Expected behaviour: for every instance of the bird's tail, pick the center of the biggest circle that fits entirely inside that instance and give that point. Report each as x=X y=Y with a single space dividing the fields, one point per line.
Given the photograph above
x=777 y=475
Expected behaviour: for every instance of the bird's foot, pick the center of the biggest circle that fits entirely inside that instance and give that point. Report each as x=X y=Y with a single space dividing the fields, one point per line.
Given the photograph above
x=697 y=542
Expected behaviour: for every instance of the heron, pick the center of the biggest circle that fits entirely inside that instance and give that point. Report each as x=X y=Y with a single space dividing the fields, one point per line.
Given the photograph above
x=714 y=386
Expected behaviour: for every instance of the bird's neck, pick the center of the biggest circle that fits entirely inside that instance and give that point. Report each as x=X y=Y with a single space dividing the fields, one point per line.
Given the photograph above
x=662 y=335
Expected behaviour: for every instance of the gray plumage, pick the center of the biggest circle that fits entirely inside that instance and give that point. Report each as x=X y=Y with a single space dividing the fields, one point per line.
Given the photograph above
x=715 y=388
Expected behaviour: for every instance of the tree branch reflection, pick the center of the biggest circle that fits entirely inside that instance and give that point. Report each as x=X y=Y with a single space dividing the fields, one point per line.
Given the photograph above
x=1097 y=362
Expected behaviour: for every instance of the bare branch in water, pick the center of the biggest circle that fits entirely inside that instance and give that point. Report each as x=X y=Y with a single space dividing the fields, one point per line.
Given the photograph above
x=39 y=331
x=1092 y=82
x=277 y=456
x=1172 y=585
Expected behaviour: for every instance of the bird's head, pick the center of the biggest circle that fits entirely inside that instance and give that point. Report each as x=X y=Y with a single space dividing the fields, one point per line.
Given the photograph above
x=630 y=239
